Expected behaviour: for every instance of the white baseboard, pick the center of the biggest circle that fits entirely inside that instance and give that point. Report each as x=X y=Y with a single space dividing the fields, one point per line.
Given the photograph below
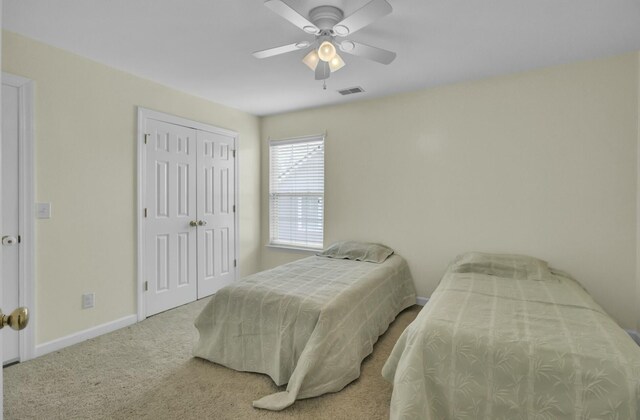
x=421 y=300
x=635 y=336
x=80 y=336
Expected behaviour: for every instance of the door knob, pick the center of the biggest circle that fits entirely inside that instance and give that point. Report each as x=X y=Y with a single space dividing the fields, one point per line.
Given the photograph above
x=201 y=223
x=9 y=240
x=17 y=320
x=193 y=223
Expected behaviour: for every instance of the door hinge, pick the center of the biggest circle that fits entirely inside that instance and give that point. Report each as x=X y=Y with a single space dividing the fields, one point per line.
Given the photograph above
x=145 y=212
x=234 y=208
x=234 y=152
x=146 y=286
x=19 y=238
x=146 y=137
x=235 y=263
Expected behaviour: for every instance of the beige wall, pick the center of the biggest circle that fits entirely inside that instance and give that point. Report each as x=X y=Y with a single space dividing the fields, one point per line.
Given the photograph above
x=86 y=167
x=541 y=163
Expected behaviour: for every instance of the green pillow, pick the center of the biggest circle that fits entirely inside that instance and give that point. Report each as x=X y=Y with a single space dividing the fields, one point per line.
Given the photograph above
x=502 y=265
x=357 y=251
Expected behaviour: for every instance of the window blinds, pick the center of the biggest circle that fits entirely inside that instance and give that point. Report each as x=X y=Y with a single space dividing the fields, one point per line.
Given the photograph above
x=296 y=192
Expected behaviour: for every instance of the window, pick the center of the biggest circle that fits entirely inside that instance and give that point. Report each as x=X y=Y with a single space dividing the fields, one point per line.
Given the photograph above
x=296 y=192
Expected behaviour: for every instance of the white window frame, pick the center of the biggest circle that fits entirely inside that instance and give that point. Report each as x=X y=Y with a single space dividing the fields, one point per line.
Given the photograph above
x=294 y=247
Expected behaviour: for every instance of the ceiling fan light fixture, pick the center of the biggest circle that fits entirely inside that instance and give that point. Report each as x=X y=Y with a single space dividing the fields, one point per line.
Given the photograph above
x=326 y=51
x=311 y=60
x=336 y=63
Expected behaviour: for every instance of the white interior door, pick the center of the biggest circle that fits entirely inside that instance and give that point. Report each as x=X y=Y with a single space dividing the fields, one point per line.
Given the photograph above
x=10 y=249
x=216 y=208
x=171 y=258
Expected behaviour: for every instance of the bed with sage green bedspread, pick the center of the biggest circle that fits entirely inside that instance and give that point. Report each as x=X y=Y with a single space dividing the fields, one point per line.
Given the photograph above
x=308 y=324
x=492 y=347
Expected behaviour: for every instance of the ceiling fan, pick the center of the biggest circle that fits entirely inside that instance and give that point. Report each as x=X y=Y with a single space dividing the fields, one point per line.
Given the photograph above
x=327 y=23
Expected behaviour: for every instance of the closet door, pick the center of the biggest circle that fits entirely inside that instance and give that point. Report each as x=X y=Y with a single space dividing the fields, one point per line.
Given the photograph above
x=170 y=247
x=216 y=212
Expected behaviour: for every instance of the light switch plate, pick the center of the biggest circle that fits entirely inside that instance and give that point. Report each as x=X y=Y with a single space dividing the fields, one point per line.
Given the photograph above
x=43 y=210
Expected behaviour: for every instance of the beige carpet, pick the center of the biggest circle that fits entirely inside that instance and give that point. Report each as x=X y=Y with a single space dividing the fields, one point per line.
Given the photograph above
x=146 y=372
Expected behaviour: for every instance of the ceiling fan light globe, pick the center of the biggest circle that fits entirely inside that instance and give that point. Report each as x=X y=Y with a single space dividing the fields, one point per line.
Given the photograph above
x=336 y=63
x=311 y=60
x=326 y=51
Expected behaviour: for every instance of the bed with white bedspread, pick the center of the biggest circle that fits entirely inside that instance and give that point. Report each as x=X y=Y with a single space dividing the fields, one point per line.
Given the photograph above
x=506 y=337
x=308 y=324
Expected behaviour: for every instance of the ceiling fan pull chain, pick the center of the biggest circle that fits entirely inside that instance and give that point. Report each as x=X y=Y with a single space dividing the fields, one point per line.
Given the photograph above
x=324 y=84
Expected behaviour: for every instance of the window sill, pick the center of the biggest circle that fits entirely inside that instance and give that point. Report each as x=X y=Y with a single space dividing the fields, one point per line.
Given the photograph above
x=293 y=248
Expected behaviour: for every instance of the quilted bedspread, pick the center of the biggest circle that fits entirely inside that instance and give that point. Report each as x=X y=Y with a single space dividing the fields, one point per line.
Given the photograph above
x=488 y=347
x=308 y=324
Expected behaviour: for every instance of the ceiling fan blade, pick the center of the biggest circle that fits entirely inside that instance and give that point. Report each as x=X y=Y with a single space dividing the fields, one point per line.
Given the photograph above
x=362 y=17
x=281 y=50
x=367 y=51
x=322 y=70
x=281 y=8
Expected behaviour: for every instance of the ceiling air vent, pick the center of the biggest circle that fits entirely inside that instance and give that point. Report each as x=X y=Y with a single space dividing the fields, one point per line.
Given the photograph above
x=350 y=91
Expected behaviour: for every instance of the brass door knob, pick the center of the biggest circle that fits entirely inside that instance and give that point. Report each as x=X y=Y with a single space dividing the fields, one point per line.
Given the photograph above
x=201 y=223
x=17 y=320
x=193 y=223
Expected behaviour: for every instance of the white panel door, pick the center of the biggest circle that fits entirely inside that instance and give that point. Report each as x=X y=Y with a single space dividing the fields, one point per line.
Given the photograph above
x=170 y=246
x=10 y=252
x=216 y=212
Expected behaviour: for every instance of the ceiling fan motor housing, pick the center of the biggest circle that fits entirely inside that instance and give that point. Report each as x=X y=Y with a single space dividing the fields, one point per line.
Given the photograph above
x=325 y=17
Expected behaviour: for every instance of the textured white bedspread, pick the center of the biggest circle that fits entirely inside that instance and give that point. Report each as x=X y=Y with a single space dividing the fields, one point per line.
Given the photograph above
x=489 y=347
x=308 y=324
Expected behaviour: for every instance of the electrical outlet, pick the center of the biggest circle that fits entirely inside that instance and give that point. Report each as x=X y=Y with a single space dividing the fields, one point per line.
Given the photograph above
x=88 y=300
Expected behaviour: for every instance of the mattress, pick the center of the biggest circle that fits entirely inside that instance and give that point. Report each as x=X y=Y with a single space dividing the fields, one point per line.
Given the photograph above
x=490 y=347
x=308 y=324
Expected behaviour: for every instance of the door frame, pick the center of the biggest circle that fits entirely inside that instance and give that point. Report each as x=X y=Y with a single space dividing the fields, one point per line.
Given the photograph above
x=143 y=115
x=26 y=136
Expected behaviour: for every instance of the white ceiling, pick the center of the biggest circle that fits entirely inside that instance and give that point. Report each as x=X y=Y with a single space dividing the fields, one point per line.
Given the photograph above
x=204 y=47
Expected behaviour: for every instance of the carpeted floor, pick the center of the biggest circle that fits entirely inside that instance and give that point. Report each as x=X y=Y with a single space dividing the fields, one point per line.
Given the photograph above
x=146 y=371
